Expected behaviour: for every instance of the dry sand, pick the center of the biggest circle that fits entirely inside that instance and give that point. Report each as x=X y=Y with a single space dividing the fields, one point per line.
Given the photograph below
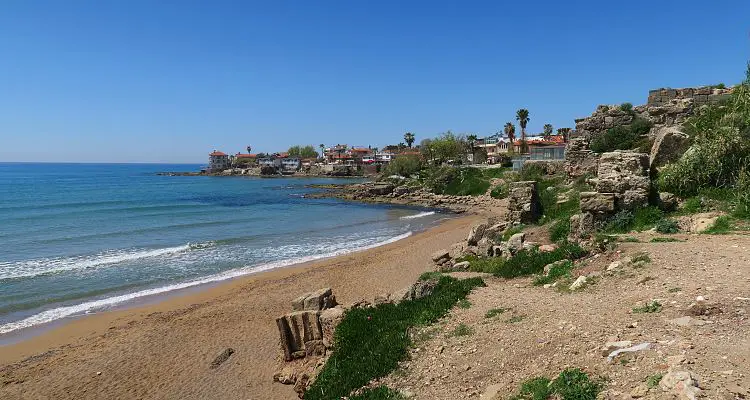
x=163 y=351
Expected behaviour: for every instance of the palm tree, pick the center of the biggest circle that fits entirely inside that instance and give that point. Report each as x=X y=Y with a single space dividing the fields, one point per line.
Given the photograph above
x=547 y=131
x=409 y=138
x=522 y=116
x=510 y=132
x=471 y=141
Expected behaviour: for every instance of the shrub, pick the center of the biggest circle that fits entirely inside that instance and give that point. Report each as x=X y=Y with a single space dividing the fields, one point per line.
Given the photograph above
x=559 y=230
x=378 y=393
x=653 y=380
x=627 y=107
x=500 y=191
x=407 y=166
x=621 y=137
x=458 y=181
x=571 y=384
x=495 y=172
x=625 y=221
x=557 y=271
x=692 y=205
x=527 y=262
x=620 y=222
x=370 y=342
x=667 y=226
x=652 y=307
x=722 y=226
x=493 y=312
x=462 y=330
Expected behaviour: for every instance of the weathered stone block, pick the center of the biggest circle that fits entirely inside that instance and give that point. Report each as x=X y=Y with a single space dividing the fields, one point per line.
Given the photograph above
x=315 y=301
x=523 y=202
x=597 y=202
x=670 y=144
x=295 y=330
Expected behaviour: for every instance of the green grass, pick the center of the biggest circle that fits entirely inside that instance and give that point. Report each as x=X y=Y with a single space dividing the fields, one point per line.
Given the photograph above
x=496 y=172
x=462 y=330
x=427 y=276
x=630 y=239
x=674 y=290
x=667 y=226
x=500 y=191
x=515 y=319
x=559 y=230
x=493 y=312
x=512 y=231
x=463 y=303
x=370 y=342
x=378 y=393
x=571 y=384
x=664 y=240
x=558 y=271
x=650 y=308
x=722 y=226
x=653 y=380
x=642 y=219
x=527 y=262
x=640 y=257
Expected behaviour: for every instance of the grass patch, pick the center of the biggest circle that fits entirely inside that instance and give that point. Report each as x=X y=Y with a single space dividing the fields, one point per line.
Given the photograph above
x=571 y=384
x=493 y=312
x=432 y=275
x=463 y=303
x=674 y=290
x=630 y=239
x=559 y=230
x=500 y=191
x=664 y=240
x=370 y=342
x=378 y=393
x=462 y=330
x=512 y=231
x=722 y=226
x=651 y=307
x=558 y=270
x=621 y=137
x=527 y=262
x=515 y=319
x=653 y=380
x=667 y=226
x=640 y=259
x=642 y=219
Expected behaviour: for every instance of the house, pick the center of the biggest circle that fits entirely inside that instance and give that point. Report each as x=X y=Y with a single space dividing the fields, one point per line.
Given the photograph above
x=384 y=157
x=290 y=163
x=218 y=161
x=539 y=148
x=494 y=145
x=269 y=161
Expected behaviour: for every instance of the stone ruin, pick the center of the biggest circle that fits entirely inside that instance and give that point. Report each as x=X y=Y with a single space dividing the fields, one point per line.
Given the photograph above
x=579 y=159
x=302 y=330
x=523 y=203
x=664 y=108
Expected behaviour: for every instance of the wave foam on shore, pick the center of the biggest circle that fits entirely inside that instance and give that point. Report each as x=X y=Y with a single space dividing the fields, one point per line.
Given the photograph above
x=420 y=215
x=95 y=305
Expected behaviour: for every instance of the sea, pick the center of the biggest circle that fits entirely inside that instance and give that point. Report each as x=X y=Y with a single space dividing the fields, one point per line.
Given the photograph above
x=77 y=239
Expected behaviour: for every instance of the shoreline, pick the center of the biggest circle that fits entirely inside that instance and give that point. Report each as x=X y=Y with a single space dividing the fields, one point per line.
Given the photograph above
x=237 y=313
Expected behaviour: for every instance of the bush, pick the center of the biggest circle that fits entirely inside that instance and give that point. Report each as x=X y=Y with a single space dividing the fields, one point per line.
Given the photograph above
x=621 y=137
x=625 y=221
x=378 y=393
x=407 y=166
x=720 y=150
x=369 y=342
x=458 y=181
x=722 y=226
x=571 y=384
x=500 y=191
x=627 y=107
x=527 y=262
x=559 y=230
x=557 y=271
x=667 y=226
x=652 y=307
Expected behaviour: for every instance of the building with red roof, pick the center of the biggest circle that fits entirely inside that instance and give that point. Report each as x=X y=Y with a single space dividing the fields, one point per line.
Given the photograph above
x=218 y=161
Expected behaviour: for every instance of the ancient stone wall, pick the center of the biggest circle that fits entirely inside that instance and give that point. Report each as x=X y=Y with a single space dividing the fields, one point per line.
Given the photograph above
x=664 y=108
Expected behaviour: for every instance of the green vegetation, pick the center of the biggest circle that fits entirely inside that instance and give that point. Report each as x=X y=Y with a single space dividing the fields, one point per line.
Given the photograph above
x=667 y=226
x=378 y=393
x=640 y=259
x=409 y=139
x=722 y=226
x=653 y=380
x=500 y=191
x=674 y=290
x=559 y=230
x=370 y=342
x=463 y=303
x=302 y=152
x=515 y=319
x=626 y=107
x=512 y=231
x=652 y=307
x=462 y=330
x=719 y=155
x=642 y=219
x=526 y=262
x=558 y=270
x=493 y=312
x=622 y=137
x=630 y=239
x=406 y=165
x=571 y=384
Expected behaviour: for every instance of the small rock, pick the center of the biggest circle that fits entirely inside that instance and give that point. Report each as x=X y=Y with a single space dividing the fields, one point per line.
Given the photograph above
x=491 y=392
x=683 y=384
x=639 y=391
x=614 y=266
x=579 y=283
x=612 y=346
x=462 y=265
x=687 y=321
x=547 y=247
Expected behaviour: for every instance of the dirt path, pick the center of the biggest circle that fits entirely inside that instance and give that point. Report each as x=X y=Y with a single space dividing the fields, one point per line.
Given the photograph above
x=545 y=331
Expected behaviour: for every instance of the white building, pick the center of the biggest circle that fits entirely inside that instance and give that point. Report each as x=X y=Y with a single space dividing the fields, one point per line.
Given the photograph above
x=218 y=161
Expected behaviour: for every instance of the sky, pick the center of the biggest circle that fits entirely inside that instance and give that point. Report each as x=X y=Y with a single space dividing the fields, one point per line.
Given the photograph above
x=172 y=80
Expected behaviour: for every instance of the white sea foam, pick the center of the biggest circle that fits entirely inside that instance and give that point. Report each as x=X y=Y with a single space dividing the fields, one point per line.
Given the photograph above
x=90 y=306
x=420 y=215
x=44 y=266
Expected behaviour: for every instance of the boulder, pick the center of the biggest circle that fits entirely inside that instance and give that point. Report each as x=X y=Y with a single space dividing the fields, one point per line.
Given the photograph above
x=524 y=206
x=546 y=248
x=296 y=330
x=515 y=243
x=441 y=256
x=597 y=202
x=380 y=189
x=401 y=190
x=463 y=265
x=579 y=283
x=315 y=301
x=682 y=384
x=670 y=144
x=476 y=233
x=484 y=247
x=420 y=289
x=667 y=201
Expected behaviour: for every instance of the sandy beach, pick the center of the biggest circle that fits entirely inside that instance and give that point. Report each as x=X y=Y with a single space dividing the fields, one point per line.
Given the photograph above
x=163 y=351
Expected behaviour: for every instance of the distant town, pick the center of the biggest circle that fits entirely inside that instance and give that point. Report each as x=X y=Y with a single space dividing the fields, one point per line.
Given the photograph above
x=343 y=159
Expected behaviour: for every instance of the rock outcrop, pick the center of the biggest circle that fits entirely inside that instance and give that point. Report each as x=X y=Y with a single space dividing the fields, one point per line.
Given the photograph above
x=669 y=144
x=626 y=175
x=579 y=159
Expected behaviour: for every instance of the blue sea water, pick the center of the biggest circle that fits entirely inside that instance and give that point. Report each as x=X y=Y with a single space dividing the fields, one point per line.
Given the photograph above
x=79 y=238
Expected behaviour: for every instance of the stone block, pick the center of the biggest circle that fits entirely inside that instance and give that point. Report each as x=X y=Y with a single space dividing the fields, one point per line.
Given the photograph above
x=597 y=202
x=296 y=329
x=315 y=301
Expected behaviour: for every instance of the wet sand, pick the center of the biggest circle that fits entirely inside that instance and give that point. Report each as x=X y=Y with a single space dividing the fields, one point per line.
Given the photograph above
x=163 y=350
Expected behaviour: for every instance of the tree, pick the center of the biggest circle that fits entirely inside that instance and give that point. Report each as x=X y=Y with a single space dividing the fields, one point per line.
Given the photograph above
x=471 y=140
x=401 y=146
x=322 y=150
x=409 y=138
x=522 y=116
x=447 y=147
x=547 y=131
x=249 y=149
x=308 y=152
x=425 y=147
x=510 y=132
x=564 y=133
x=294 y=151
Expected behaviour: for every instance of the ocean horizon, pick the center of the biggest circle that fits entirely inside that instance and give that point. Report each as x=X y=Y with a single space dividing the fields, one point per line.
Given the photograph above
x=85 y=237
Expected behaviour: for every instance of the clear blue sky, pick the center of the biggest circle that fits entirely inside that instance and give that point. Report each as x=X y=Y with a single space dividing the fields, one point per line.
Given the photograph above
x=169 y=81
